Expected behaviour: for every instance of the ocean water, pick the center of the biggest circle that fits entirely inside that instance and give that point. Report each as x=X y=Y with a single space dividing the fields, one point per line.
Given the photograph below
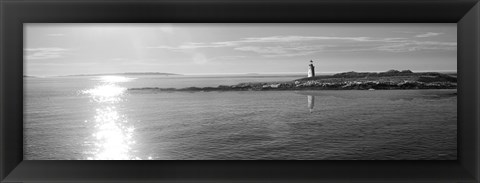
x=97 y=117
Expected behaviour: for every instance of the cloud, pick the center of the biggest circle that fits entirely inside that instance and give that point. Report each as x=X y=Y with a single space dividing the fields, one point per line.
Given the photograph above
x=190 y=46
x=63 y=64
x=418 y=45
x=44 y=53
x=288 y=46
x=279 y=39
x=254 y=40
x=264 y=50
x=55 y=35
x=283 y=51
x=223 y=58
x=199 y=58
x=271 y=39
x=429 y=34
x=118 y=59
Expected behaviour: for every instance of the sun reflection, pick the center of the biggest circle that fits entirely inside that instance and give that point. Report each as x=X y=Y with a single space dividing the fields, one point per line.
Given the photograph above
x=113 y=135
x=112 y=138
x=108 y=90
x=311 y=102
x=106 y=93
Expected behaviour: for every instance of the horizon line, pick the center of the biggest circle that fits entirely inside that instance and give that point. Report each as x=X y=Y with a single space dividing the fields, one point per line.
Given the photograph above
x=219 y=74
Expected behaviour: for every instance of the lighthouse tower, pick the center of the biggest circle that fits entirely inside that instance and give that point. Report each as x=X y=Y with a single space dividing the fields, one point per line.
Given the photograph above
x=311 y=70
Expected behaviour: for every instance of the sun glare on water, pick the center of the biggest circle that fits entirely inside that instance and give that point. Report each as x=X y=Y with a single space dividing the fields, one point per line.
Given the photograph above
x=108 y=90
x=106 y=93
x=113 y=134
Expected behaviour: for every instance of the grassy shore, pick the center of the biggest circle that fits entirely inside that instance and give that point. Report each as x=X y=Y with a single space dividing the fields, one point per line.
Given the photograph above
x=389 y=80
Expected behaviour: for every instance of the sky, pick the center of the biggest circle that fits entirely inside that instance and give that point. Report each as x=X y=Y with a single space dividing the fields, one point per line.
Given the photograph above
x=191 y=49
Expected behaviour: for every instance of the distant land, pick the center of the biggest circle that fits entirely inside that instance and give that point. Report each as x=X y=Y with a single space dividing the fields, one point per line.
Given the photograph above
x=392 y=79
x=126 y=74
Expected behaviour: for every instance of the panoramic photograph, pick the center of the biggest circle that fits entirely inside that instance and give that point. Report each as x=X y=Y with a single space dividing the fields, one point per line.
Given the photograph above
x=157 y=91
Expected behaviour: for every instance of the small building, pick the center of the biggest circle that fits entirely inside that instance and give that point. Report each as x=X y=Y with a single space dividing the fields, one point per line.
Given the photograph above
x=311 y=70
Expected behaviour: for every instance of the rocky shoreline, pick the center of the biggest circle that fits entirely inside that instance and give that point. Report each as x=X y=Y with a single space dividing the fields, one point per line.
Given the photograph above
x=390 y=80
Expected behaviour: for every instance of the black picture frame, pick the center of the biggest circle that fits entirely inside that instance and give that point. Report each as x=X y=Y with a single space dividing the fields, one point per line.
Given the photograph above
x=466 y=13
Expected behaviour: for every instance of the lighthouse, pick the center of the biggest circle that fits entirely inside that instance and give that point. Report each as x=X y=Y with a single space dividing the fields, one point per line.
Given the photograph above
x=311 y=70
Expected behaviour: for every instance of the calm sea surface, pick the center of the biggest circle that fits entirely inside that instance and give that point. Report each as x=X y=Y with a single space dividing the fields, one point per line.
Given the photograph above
x=97 y=117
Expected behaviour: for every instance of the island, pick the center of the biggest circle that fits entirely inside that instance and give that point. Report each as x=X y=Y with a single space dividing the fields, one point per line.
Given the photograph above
x=389 y=80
